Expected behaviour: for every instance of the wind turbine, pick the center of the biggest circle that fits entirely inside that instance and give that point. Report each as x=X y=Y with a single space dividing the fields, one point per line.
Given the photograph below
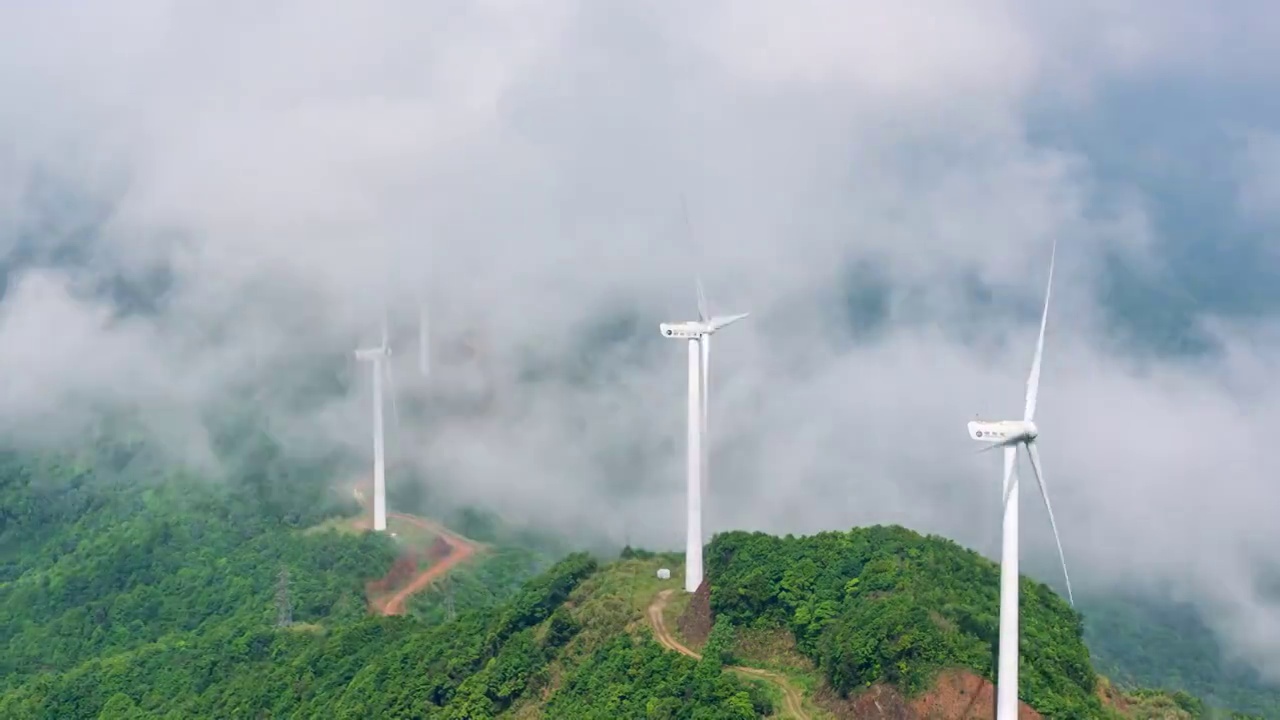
x=698 y=333
x=424 y=340
x=1009 y=434
x=378 y=357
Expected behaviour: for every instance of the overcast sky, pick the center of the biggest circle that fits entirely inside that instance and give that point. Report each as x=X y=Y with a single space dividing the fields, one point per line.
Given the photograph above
x=879 y=185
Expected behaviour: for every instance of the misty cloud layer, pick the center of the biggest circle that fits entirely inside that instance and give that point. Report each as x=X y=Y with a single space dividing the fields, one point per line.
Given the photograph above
x=868 y=182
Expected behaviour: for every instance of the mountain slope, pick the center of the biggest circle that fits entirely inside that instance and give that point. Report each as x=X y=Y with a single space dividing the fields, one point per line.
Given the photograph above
x=128 y=595
x=886 y=605
x=575 y=642
x=793 y=700
x=552 y=649
x=129 y=592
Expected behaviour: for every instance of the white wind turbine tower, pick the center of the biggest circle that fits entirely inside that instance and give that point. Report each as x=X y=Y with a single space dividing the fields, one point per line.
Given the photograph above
x=698 y=333
x=424 y=340
x=379 y=357
x=424 y=326
x=1009 y=434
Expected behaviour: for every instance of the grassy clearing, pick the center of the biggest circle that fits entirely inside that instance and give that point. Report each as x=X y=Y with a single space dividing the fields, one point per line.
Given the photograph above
x=771 y=690
x=344 y=525
x=635 y=584
x=615 y=599
x=637 y=579
x=410 y=535
x=774 y=649
x=610 y=602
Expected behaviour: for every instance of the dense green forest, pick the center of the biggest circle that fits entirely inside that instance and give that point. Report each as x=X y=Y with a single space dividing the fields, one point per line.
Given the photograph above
x=128 y=593
x=886 y=605
x=481 y=585
x=230 y=659
x=130 y=589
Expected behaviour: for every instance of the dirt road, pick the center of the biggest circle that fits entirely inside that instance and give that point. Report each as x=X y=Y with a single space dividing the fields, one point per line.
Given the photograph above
x=460 y=548
x=792 y=700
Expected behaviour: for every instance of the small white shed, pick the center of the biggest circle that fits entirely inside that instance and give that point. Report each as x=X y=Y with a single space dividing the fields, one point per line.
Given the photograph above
x=664 y=574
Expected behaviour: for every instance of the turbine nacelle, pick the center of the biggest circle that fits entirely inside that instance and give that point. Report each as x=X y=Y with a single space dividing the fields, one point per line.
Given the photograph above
x=1003 y=432
x=692 y=330
x=695 y=329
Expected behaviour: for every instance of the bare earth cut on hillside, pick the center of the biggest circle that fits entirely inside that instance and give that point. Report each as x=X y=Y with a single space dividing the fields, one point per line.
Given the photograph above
x=792 y=699
x=448 y=550
x=955 y=695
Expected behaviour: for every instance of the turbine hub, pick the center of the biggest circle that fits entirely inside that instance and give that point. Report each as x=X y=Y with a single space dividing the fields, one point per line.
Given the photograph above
x=1032 y=432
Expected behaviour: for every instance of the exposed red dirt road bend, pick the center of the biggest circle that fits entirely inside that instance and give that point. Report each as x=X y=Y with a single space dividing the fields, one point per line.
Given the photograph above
x=792 y=701
x=460 y=549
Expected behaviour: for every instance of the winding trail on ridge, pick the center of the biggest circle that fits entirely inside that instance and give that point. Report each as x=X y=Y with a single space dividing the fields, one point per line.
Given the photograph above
x=792 y=700
x=460 y=549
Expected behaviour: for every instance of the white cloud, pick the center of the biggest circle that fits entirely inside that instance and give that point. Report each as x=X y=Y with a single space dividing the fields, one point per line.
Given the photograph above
x=297 y=165
x=1258 y=168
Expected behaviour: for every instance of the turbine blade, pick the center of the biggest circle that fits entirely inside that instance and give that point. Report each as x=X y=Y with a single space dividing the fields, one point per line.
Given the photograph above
x=384 y=328
x=1033 y=380
x=717 y=323
x=703 y=313
x=1034 y=454
x=1010 y=471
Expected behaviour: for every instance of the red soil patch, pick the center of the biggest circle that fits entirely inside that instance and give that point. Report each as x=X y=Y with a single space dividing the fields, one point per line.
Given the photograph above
x=448 y=549
x=1111 y=696
x=695 y=622
x=401 y=572
x=439 y=550
x=459 y=551
x=964 y=696
x=957 y=695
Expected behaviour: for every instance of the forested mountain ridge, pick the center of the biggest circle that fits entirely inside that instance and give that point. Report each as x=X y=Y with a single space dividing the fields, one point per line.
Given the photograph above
x=884 y=609
x=160 y=598
x=131 y=592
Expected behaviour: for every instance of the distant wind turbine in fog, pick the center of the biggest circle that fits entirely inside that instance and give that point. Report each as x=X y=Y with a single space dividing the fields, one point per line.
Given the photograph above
x=424 y=340
x=698 y=333
x=378 y=357
x=1009 y=434
x=425 y=285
